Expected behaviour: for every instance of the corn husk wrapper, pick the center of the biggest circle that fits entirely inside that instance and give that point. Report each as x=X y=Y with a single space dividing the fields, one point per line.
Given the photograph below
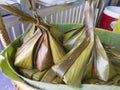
x=44 y=57
x=103 y=69
x=28 y=72
x=29 y=32
x=49 y=76
x=114 y=56
x=24 y=55
x=56 y=49
x=38 y=75
x=58 y=80
x=56 y=34
x=94 y=81
x=71 y=37
x=71 y=42
x=69 y=34
x=88 y=72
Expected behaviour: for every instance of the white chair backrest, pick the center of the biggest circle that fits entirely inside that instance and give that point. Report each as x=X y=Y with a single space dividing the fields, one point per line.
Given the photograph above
x=70 y=13
x=68 y=16
x=14 y=28
x=67 y=13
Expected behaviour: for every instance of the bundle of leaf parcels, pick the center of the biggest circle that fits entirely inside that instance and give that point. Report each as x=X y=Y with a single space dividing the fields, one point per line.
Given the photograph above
x=40 y=48
x=86 y=60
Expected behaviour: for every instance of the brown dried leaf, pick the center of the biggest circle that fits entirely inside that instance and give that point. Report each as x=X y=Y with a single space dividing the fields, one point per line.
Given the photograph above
x=22 y=15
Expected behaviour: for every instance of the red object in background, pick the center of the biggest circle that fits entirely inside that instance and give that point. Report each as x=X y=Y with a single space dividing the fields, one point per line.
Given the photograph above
x=109 y=17
x=106 y=22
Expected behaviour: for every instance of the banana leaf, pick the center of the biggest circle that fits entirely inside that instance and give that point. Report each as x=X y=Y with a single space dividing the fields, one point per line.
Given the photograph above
x=29 y=32
x=44 y=57
x=71 y=41
x=106 y=37
x=103 y=68
x=56 y=49
x=25 y=52
x=38 y=75
x=88 y=69
x=28 y=72
x=8 y=72
x=56 y=34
